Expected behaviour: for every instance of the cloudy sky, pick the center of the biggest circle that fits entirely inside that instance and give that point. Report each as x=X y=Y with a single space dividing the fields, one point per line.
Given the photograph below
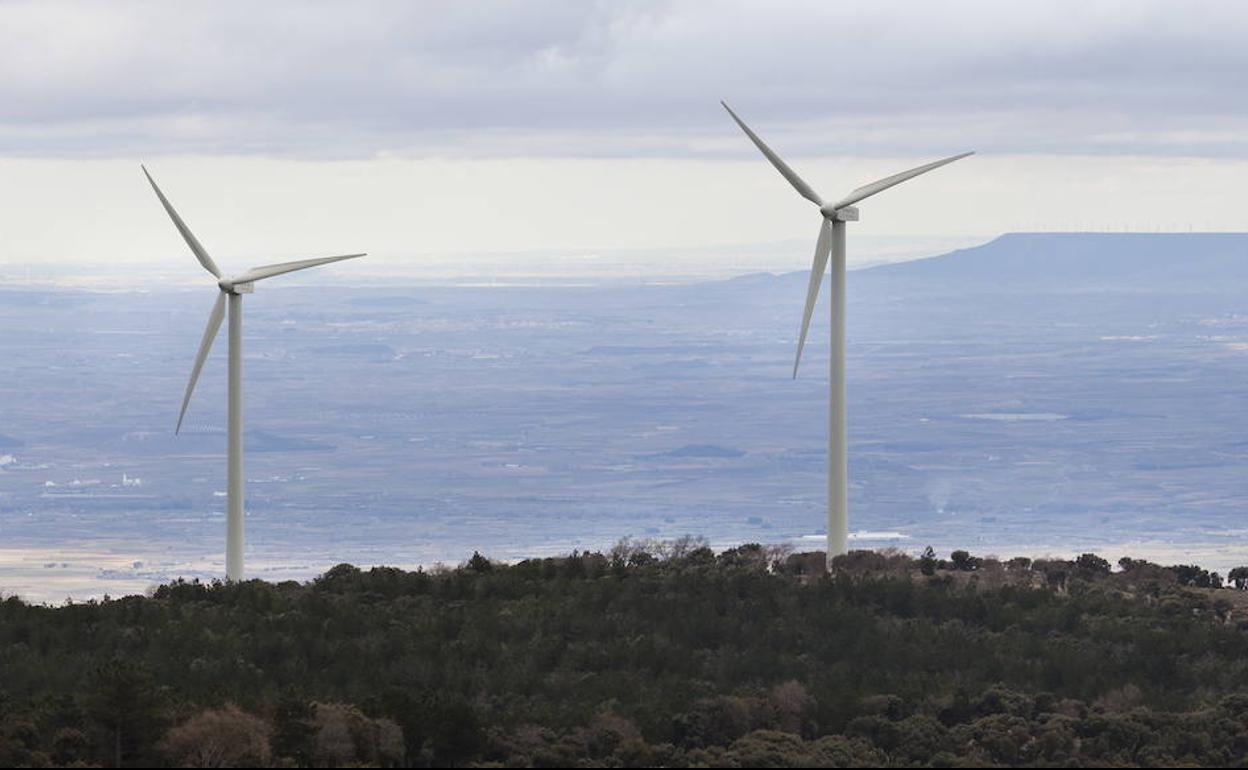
x=545 y=136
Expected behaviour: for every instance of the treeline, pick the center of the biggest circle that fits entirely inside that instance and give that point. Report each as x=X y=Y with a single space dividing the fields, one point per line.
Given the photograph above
x=649 y=655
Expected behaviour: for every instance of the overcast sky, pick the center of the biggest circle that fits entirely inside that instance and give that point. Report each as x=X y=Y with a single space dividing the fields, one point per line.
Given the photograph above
x=546 y=131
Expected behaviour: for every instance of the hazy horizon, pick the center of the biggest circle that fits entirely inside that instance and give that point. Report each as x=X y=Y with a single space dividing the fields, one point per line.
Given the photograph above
x=579 y=267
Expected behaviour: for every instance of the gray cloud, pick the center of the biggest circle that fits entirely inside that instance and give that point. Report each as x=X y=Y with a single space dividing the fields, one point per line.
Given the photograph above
x=581 y=78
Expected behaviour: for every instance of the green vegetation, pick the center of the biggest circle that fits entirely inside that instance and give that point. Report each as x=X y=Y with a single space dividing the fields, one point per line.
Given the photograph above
x=648 y=655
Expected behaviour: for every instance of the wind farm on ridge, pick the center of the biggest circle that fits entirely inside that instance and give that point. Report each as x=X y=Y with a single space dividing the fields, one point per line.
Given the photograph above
x=537 y=484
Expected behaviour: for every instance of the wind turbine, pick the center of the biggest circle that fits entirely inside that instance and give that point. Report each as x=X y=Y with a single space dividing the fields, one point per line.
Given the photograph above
x=231 y=291
x=831 y=242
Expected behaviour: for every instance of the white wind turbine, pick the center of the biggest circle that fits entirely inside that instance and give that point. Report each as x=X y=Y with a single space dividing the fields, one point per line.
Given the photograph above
x=831 y=242
x=234 y=288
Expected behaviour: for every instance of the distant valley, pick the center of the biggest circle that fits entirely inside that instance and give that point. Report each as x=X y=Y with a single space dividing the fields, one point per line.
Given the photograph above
x=1042 y=391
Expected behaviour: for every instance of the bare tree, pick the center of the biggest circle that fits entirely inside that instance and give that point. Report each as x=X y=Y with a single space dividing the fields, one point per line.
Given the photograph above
x=224 y=737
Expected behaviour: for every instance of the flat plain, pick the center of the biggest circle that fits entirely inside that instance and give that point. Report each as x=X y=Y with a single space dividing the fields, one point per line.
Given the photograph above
x=1039 y=394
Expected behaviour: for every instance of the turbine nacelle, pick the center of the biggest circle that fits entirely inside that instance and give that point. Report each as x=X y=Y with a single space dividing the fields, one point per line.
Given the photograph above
x=229 y=286
x=843 y=214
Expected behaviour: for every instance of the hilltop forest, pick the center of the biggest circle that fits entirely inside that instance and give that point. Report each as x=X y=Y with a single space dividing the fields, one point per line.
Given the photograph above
x=652 y=654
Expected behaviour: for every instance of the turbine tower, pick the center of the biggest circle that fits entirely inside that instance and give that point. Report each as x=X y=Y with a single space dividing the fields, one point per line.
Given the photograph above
x=230 y=291
x=831 y=242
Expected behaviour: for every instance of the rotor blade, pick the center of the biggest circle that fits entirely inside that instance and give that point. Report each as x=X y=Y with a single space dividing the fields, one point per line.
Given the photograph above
x=867 y=190
x=205 y=345
x=788 y=173
x=200 y=253
x=823 y=248
x=268 y=271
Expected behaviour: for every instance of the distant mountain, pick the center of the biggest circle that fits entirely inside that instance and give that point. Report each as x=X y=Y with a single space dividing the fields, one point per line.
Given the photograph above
x=1084 y=262
x=1173 y=263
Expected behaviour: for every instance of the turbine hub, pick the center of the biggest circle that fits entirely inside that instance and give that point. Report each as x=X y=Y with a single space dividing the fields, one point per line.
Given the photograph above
x=843 y=214
x=229 y=287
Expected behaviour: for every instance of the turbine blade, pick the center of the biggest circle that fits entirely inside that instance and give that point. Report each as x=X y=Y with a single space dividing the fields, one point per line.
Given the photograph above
x=867 y=190
x=200 y=253
x=205 y=345
x=788 y=173
x=823 y=249
x=268 y=271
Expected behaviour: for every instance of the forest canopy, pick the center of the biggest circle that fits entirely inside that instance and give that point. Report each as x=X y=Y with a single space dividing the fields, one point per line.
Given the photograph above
x=650 y=654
